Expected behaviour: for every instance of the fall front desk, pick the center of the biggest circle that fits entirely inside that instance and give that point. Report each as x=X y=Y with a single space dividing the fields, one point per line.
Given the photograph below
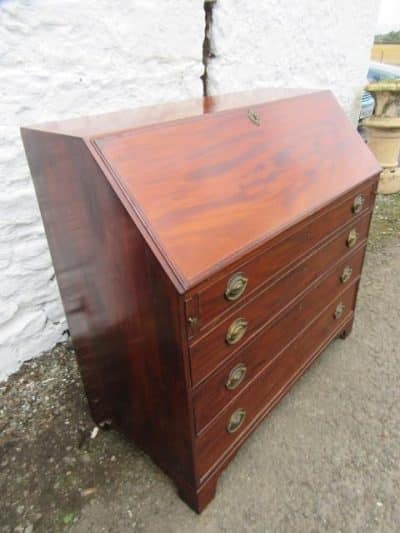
x=206 y=253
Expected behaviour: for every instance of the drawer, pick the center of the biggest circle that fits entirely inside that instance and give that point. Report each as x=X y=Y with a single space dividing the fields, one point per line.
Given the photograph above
x=239 y=417
x=249 y=318
x=226 y=382
x=239 y=283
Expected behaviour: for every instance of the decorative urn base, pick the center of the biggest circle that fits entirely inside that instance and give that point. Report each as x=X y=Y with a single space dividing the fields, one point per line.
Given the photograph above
x=383 y=137
x=389 y=181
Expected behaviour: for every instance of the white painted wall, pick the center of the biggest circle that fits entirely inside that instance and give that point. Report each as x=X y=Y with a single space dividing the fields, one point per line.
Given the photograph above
x=287 y=43
x=78 y=57
x=60 y=59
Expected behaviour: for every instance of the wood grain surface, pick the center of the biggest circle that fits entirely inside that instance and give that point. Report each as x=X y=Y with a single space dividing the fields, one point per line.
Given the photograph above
x=275 y=296
x=273 y=335
x=213 y=187
x=278 y=255
x=215 y=442
x=149 y=212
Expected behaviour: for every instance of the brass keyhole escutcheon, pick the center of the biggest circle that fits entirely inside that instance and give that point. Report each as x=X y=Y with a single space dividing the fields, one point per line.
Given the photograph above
x=352 y=238
x=236 y=376
x=192 y=321
x=254 y=117
x=339 y=310
x=358 y=203
x=236 y=331
x=236 y=286
x=346 y=274
x=236 y=420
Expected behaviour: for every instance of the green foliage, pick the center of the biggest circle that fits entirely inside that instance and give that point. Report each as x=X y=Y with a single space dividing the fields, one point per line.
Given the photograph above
x=393 y=37
x=68 y=518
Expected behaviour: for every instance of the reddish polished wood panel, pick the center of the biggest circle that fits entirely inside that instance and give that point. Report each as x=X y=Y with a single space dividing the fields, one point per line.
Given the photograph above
x=221 y=175
x=215 y=441
x=271 y=260
x=274 y=334
x=277 y=295
x=149 y=213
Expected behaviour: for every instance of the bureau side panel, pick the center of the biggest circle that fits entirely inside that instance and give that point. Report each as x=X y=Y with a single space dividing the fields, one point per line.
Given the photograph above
x=123 y=316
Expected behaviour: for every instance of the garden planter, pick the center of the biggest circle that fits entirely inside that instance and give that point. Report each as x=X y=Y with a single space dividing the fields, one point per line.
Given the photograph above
x=383 y=133
x=387 y=97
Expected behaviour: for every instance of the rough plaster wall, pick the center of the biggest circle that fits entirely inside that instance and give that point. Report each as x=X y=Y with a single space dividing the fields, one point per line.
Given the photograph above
x=58 y=60
x=308 y=43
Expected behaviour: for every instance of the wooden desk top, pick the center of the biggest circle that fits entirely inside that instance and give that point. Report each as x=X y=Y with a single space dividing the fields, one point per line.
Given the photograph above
x=205 y=184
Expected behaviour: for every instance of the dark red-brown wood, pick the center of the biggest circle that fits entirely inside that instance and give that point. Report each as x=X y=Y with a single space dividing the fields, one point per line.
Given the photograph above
x=272 y=259
x=273 y=336
x=123 y=312
x=149 y=212
x=221 y=175
x=255 y=399
x=266 y=303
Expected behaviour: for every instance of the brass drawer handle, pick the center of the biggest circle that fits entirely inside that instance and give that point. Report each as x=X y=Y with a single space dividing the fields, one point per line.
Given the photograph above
x=339 y=310
x=346 y=274
x=358 y=203
x=236 y=420
x=236 y=376
x=236 y=331
x=352 y=238
x=236 y=286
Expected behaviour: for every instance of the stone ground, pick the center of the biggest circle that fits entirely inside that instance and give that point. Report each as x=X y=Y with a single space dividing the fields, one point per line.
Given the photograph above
x=326 y=459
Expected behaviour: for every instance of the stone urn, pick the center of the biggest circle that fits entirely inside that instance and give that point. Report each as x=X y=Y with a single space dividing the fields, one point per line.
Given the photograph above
x=383 y=132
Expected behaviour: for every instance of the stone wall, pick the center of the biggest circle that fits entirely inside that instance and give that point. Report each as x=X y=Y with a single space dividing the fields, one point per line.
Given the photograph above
x=310 y=43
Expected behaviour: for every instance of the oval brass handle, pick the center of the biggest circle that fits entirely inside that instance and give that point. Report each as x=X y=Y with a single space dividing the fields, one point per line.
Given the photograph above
x=346 y=274
x=358 y=203
x=236 y=376
x=236 y=286
x=339 y=310
x=236 y=331
x=236 y=420
x=352 y=238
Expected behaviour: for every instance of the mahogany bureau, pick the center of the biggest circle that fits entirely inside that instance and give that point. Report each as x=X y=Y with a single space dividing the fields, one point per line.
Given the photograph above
x=206 y=253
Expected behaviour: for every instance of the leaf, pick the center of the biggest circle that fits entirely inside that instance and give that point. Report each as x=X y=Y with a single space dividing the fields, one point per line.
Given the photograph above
x=68 y=518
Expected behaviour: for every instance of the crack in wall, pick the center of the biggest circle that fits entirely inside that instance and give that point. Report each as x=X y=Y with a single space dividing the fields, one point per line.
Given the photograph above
x=207 y=45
